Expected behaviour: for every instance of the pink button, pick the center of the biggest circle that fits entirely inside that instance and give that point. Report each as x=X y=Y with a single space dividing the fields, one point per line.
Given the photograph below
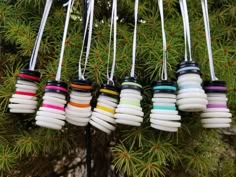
x=54 y=107
x=56 y=88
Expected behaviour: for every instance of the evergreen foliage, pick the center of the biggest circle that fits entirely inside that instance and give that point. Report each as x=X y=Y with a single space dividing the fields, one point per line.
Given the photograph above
x=26 y=149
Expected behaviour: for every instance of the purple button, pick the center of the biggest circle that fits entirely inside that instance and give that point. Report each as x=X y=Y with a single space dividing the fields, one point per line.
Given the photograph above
x=215 y=88
x=216 y=106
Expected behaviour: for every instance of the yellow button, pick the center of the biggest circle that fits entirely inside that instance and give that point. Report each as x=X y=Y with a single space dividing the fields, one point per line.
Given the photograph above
x=109 y=92
x=105 y=109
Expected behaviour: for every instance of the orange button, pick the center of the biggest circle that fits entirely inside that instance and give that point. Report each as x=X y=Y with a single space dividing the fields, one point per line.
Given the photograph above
x=79 y=105
x=85 y=87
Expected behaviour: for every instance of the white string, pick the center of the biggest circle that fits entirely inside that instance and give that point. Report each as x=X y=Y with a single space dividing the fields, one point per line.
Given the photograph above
x=69 y=9
x=208 y=38
x=110 y=36
x=88 y=29
x=134 y=38
x=113 y=22
x=114 y=42
x=187 y=35
x=89 y=38
x=83 y=43
x=164 y=75
x=34 y=54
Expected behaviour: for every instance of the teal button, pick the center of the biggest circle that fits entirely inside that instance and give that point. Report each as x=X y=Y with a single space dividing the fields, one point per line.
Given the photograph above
x=165 y=107
x=164 y=87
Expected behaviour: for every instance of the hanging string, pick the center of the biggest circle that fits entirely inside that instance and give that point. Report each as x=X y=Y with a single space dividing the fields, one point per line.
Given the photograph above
x=113 y=22
x=187 y=36
x=83 y=43
x=208 y=38
x=164 y=75
x=69 y=9
x=34 y=54
x=134 y=38
x=187 y=29
x=88 y=29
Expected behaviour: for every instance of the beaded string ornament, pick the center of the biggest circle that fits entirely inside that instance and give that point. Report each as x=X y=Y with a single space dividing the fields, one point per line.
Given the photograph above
x=78 y=110
x=103 y=115
x=191 y=97
x=129 y=110
x=164 y=115
x=24 y=99
x=217 y=114
x=51 y=114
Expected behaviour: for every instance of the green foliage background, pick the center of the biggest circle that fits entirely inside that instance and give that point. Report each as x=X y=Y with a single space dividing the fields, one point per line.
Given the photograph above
x=29 y=150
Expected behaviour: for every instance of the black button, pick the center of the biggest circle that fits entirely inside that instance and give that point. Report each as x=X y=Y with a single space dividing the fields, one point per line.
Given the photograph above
x=130 y=79
x=112 y=96
x=30 y=72
x=131 y=87
x=192 y=71
x=165 y=91
x=214 y=83
x=184 y=64
x=81 y=82
x=214 y=91
x=109 y=87
x=164 y=83
x=55 y=91
x=57 y=83
x=80 y=90
x=25 y=79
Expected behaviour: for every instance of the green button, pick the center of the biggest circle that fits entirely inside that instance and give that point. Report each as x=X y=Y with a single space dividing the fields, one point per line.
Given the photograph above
x=134 y=103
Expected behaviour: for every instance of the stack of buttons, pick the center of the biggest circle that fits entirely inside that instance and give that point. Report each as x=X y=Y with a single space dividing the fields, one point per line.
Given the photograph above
x=129 y=111
x=164 y=115
x=78 y=110
x=103 y=115
x=217 y=114
x=191 y=97
x=24 y=99
x=51 y=114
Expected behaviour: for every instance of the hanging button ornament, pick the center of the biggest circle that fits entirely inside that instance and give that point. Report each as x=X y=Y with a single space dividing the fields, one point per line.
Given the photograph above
x=51 y=114
x=78 y=110
x=191 y=96
x=129 y=111
x=103 y=115
x=164 y=115
x=24 y=99
x=217 y=114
